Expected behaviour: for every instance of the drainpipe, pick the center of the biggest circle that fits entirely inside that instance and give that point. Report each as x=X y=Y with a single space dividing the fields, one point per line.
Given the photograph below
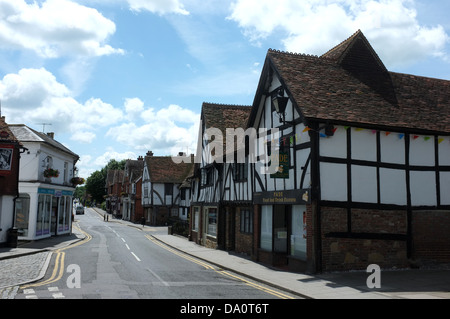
x=22 y=150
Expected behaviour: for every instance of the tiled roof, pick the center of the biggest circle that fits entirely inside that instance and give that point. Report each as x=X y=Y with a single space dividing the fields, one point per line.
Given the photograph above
x=27 y=134
x=349 y=84
x=163 y=169
x=6 y=135
x=223 y=116
x=135 y=168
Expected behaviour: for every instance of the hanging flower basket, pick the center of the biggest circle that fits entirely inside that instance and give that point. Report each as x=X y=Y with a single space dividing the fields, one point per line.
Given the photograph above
x=49 y=172
x=77 y=181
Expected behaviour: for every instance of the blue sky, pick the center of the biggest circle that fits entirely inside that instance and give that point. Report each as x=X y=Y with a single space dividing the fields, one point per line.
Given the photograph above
x=116 y=78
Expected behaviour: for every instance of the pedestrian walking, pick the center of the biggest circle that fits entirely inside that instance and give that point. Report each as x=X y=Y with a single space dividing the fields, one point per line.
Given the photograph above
x=143 y=221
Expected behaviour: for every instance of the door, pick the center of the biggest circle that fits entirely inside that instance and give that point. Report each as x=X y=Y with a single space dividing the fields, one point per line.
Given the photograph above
x=280 y=229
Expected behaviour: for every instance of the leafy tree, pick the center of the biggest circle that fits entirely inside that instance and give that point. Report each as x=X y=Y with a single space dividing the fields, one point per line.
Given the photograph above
x=95 y=184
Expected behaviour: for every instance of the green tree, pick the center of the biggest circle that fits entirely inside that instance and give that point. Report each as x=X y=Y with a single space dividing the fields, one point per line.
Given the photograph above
x=95 y=186
x=96 y=183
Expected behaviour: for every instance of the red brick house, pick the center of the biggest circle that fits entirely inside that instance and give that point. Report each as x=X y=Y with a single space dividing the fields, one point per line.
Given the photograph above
x=10 y=149
x=132 y=209
x=114 y=192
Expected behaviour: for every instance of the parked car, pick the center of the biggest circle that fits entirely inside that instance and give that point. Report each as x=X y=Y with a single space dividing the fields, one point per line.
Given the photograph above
x=79 y=210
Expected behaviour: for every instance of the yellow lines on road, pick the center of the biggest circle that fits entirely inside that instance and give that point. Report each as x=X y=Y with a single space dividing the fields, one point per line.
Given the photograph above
x=57 y=274
x=252 y=284
x=219 y=271
x=176 y=252
x=58 y=271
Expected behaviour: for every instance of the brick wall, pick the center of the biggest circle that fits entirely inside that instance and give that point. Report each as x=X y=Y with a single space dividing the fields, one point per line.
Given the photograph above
x=243 y=241
x=431 y=236
x=357 y=253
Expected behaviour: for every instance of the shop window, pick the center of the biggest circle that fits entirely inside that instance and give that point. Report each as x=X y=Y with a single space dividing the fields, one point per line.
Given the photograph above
x=266 y=227
x=212 y=222
x=43 y=215
x=298 y=236
x=246 y=221
x=195 y=218
x=64 y=219
x=22 y=214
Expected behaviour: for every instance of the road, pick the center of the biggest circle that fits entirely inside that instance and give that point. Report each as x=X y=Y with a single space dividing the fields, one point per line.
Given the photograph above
x=117 y=261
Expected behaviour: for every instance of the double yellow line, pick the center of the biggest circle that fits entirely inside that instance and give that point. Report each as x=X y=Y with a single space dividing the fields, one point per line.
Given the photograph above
x=222 y=272
x=176 y=252
x=58 y=271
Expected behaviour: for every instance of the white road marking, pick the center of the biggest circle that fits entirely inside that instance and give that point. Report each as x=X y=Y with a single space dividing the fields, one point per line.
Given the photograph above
x=128 y=247
x=137 y=258
x=159 y=278
x=58 y=295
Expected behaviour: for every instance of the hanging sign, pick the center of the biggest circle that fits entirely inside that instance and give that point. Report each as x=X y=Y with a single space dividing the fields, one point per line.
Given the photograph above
x=283 y=166
x=6 y=158
x=284 y=197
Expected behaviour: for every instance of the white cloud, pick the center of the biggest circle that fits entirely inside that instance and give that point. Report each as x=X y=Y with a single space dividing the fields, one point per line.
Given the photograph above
x=133 y=107
x=167 y=131
x=55 y=28
x=83 y=137
x=315 y=26
x=160 y=7
x=104 y=159
x=35 y=96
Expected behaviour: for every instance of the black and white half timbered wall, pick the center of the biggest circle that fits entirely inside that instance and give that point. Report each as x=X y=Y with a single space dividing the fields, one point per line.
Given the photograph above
x=364 y=174
x=221 y=187
x=281 y=195
x=376 y=188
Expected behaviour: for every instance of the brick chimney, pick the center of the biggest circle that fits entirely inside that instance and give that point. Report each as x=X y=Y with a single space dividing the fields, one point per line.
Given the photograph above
x=51 y=135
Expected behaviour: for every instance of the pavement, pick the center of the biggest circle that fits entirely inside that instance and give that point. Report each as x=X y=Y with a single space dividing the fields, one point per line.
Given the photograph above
x=29 y=261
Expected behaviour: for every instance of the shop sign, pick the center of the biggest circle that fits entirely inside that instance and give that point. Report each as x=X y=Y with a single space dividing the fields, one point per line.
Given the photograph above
x=286 y=197
x=283 y=166
x=57 y=193
x=6 y=158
